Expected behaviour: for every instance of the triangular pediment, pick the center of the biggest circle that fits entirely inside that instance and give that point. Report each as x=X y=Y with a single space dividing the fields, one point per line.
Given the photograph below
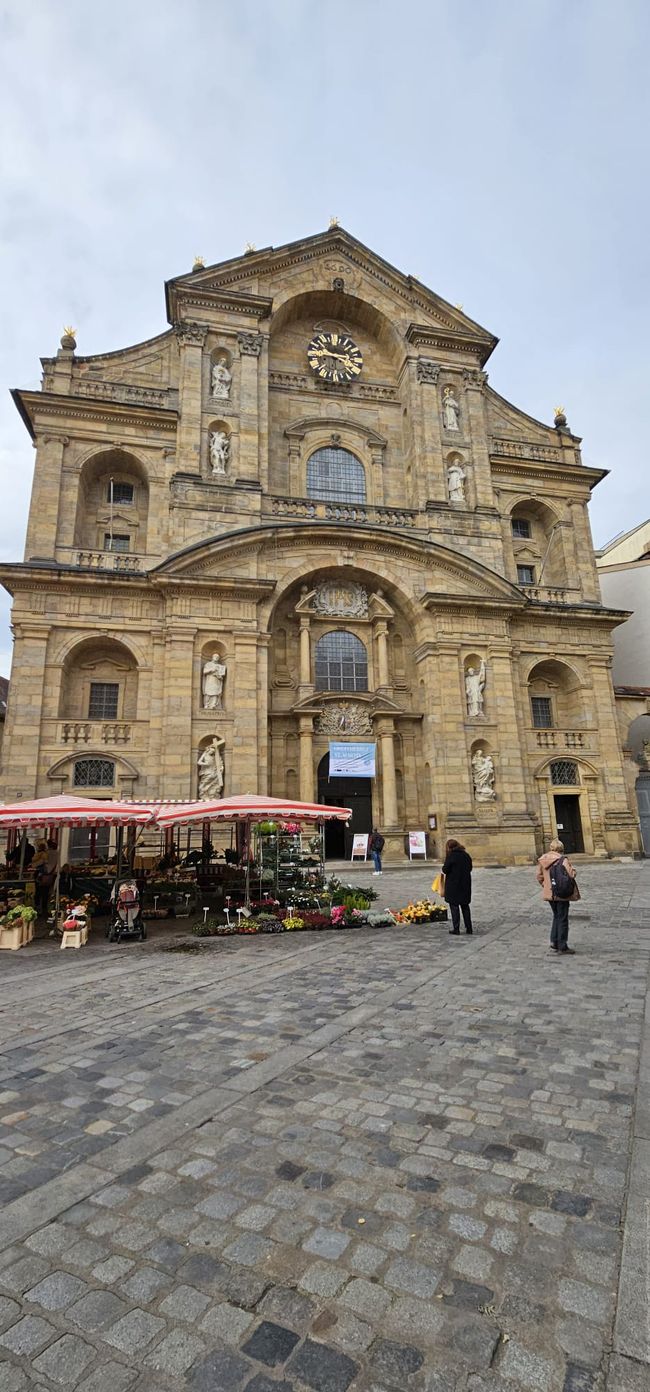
x=273 y=274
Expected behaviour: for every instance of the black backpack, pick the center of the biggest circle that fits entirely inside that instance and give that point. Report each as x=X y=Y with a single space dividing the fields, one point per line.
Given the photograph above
x=378 y=843
x=562 y=883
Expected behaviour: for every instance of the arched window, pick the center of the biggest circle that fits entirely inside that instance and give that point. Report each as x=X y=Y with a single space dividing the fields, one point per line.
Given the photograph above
x=336 y=475
x=341 y=663
x=94 y=773
x=564 y=773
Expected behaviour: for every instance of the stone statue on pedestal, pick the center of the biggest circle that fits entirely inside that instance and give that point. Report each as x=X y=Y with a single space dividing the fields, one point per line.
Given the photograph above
x=450 y=409
x=483 y=775
x=221 y=378
x=456 y=482
x=474 y=688
x=219 y=451
x=212 y=679
x=210 y=766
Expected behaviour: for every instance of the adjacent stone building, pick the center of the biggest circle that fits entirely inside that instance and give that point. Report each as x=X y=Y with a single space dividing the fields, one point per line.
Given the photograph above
x=301 y=514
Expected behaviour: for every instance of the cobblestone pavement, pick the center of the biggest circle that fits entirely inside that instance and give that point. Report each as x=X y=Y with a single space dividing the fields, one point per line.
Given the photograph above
x=374 y=1160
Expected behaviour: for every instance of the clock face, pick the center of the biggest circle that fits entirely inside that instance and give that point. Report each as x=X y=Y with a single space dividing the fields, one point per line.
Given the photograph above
x=334 y=357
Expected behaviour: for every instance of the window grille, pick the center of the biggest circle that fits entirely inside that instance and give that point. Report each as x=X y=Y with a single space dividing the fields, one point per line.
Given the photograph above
x=336 y=475
x=116 y=542
x=520 y=527
x=525 y=575
x=341 y=663
x=102 y=704
x=122 y=492
x=94 y=773
x=564 y=773
x=542 y=712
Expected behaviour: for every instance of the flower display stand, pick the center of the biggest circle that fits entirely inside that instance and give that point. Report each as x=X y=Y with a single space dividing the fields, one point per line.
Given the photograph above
x=75 y=937
x=12 y=938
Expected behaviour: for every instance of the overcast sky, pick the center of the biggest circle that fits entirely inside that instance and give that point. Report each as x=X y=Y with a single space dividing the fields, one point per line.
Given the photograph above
x=498 y=151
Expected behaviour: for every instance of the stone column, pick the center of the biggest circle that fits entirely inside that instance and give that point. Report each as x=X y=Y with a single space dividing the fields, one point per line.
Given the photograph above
x=306 y=730
x=44 y=507
x=191 y=338
x=476 y=431
x=381 y=634
x=153 y=786
x=250 y=347
x=420 y=383
x=244 y=768
x=179 y=757
x=305 y=653
x=263 y=641
x=21 y=776
x=385 y=731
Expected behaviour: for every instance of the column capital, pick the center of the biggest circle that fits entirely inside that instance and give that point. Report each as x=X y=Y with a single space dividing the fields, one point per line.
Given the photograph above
x=250 y=344
x=190 y=334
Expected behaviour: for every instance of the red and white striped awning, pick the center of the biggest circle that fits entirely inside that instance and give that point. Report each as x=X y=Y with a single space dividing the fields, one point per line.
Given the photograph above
x=249 y=807
x=74 y=812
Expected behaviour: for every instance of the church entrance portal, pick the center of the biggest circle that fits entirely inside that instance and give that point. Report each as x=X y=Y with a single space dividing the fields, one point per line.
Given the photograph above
x=344 y=792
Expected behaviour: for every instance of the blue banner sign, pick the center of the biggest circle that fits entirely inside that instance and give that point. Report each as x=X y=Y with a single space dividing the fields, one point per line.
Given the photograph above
x=352 y=760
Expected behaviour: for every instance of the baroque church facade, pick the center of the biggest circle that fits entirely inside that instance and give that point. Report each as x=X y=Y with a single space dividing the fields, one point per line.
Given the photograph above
x=298 y=515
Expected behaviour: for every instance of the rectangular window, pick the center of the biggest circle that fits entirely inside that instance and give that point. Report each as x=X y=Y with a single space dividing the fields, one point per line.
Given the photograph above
x=520 y=527
x=122 y=492
x=116 y=542
x=525 y=575
x=103 y=700
x=542 y=712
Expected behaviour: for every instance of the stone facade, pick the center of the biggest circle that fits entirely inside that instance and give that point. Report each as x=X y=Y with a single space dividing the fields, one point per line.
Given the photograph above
x=453 y=533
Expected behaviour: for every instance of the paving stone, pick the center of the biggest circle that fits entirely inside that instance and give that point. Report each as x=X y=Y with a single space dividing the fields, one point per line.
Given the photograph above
x=271 y=1344
x=326 y=1242
x=9 y=1311
x=97 y=1310
x=626 y=1375
x=249 y=1249
x=28 y=1335
x=111 y=1377
x=322 y=1368
x=411 y=1277
x=226 y=1323
x=528 y=1369
x=134 y=1331
x=262 y=1383
x=177 y=1352
x=367 y=1258
x=222 y=1370
x=145 y=1284
x=366 y=1299
x=584 y=1300
x=474 y=1262
x=13 y=1378
x=579 y=1379
x=25 y=1274
x=185 y=1303
x=65 y=1361
x=322 y=1280
x=287 y=1306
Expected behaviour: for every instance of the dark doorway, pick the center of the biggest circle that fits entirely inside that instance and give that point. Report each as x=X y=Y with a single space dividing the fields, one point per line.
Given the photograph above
x=344 y=792
x=569 y=823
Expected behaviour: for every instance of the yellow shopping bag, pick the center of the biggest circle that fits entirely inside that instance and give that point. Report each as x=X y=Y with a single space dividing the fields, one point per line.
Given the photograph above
x=438 y=885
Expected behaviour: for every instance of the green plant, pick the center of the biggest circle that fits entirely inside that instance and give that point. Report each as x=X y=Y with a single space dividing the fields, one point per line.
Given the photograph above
x=209 y=929
x=379 y=918
x=293 y=922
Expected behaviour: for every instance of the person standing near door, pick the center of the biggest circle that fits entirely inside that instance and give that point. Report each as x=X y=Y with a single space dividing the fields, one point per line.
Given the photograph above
x=457 y=871
x=376 y=846
x=558 y=880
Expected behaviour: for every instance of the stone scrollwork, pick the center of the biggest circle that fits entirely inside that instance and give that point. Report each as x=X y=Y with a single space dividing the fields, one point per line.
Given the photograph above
x=428 y=371
x=343 y=718
x=336 y=599
x=472 y=377
x=250 y=344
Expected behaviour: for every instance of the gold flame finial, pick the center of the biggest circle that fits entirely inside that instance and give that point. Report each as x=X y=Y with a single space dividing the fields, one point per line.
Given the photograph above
x=69 y=331
x=559 y=411
x=199 y=263
x=250 y=246
x=334 y=222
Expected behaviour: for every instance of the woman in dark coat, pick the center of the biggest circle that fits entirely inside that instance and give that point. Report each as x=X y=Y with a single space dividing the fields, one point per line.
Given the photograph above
x=457 y=871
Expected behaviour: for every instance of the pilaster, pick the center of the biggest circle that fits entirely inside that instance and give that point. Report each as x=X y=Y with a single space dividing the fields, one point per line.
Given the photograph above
x=20 y=776
x=42 y=537
x=250 y=348
x=178 y=756
x=191 y=338
x=474 y=401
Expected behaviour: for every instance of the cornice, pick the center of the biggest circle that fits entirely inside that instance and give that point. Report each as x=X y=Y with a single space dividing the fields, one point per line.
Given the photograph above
x=179 y=295
x=424 y=336
x=575 y=473
x=34 y=406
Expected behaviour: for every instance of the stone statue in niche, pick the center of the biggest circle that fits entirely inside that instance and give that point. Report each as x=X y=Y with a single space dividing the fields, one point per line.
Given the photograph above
x=456 y=482
x=219 y=451
x=212 y=680
x=210 y=766
x=483 y=776
x=474 y=688
x=221 y=378
x=450 y=409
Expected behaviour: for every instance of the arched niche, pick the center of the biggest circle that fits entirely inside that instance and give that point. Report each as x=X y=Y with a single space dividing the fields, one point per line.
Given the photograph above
x=557 y=695
x=537 y=541
x=112 y=503
x=457 y=479
x=219 y=450
x=209 y=774
x=99 y=681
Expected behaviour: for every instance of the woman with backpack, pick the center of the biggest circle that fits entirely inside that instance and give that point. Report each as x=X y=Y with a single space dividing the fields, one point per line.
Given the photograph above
x=558 y=880
x=457 y=871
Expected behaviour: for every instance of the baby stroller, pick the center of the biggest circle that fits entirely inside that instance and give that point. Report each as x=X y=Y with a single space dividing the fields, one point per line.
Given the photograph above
x=127 y=920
